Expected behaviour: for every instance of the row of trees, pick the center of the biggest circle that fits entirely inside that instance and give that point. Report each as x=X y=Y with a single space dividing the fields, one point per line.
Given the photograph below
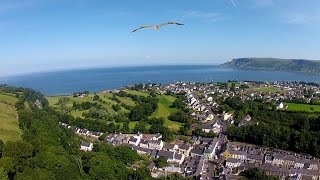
x=296 y=131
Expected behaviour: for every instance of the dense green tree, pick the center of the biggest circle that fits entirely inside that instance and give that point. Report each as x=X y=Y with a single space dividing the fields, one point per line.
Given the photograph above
x=142 y=173
x=161 y=162
x=179 y=116
x=257 y=174
x=3 y=174
x=96 y=97
x=1 y=147
x=125 y=127
x=141 y=127
x=116 y=107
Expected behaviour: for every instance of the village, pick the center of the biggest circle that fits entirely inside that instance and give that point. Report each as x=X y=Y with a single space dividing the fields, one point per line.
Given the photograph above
x=217 y=157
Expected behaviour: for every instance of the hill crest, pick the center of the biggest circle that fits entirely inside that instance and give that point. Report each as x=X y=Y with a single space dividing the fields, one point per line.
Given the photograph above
x=276 y=64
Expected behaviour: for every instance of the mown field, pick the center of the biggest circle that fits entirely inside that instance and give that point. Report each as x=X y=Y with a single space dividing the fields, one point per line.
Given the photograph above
x=303 y=107
x=9 y=126
x=164 y=110
x=269 y=89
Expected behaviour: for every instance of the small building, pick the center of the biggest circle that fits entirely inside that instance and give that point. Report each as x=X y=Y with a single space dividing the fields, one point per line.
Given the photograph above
x=155 y=144
x=232 y=163
x=86 y=146
x=216 y=128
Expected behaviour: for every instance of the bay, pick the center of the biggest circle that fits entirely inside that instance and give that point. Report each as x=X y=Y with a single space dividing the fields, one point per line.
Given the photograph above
x=99 y=79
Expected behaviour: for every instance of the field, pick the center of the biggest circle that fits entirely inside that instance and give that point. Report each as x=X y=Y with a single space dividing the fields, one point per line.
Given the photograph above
x=9 y=127
x=164 y=110
x=303 y=107
x=54 y=100
x=269 y=89
x=138 y=93
x=164 y=105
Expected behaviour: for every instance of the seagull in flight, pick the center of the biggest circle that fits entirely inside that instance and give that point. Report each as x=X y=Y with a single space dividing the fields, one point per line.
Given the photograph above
x=157 y=27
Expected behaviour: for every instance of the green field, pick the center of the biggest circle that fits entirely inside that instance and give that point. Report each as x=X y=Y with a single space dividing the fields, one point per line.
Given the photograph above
x=303 y=107
x=9 y=126
x=269 y=89
x=53 y=101
x=164 y=105
x=138 y=93
x=164 y=110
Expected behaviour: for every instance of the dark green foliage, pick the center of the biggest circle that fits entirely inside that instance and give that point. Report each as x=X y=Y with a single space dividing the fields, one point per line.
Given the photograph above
x=157 y=126
x=96 y=97
x=179 y=103
x=138 y=87
x=142 y=173
x=146 y=106
x=141 y=127
x=1 y=147
x=175 y=176
x=281 y=129
x=125 y=127
x=116 y=107
x=161 y=162
x=257 y=174
x=179 y=116
x=50 y=151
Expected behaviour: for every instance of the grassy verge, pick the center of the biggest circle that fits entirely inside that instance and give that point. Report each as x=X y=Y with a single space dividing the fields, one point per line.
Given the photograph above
x=303 y=107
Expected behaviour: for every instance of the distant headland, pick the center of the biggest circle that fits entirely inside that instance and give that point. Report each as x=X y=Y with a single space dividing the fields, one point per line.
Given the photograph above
x=276 y=64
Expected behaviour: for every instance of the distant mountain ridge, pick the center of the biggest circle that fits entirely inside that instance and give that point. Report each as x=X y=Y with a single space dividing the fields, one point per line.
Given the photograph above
x=275 y=64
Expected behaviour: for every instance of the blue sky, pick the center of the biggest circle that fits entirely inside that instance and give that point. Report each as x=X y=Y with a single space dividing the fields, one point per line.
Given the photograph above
x=46 y=35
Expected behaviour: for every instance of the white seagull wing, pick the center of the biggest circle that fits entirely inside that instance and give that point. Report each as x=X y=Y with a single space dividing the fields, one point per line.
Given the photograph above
x=142 y=27
x=168 y=23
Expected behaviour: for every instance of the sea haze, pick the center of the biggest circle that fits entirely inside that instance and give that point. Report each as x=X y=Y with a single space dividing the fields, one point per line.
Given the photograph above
x=98 y=79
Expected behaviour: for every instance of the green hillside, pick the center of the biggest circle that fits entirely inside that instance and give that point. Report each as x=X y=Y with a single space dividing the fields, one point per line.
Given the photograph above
x=65 y=104
x=272 y=64
x=164 y=110
x=9 y=126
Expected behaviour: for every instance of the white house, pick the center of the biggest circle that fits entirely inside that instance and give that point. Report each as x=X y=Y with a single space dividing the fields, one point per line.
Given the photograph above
x=232 y=163
x=227 y=116
x=86 y=146
x=280 y=106
x=154 y=144
x=216 y=128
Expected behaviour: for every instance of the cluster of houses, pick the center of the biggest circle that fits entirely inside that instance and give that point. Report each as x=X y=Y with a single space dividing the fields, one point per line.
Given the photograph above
x=283 y=164
x=183 y=157
x=83 y=132
x=195 y=157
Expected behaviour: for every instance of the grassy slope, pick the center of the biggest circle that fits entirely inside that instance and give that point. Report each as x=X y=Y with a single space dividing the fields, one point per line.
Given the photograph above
x=53 y=100
x=269 y=89
x=139 y=93
x=164 y=110
x=303 y=107
x=9 y=127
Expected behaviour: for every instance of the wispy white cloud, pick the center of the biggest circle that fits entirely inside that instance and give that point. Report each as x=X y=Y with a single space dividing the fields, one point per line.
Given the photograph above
x=301 y=18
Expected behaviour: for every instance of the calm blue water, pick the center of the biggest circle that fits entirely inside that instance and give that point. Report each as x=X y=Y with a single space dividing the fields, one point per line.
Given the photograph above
x=67 y=82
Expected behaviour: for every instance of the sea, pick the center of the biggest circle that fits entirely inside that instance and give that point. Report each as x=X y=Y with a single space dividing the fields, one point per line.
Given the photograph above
x=100 y=79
